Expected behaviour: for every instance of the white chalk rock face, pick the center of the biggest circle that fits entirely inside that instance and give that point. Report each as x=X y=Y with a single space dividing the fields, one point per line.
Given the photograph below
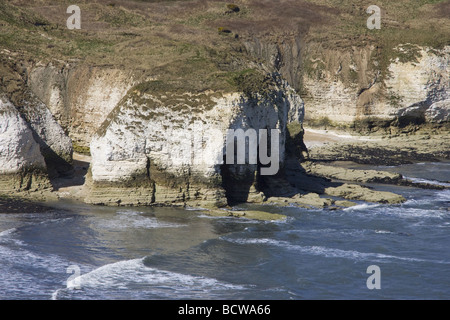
x=348 y=87
x=55 y=145
x=18 y=149
x=421 y=88
x=438 y=112
x=177 y=140
x=79 y=97
x=425 y=79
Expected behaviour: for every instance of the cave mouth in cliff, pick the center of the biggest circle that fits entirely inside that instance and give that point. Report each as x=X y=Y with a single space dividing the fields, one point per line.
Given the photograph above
x=405 y=121
x=245 y=181
x=238 y=186
x=241 y=180
x=77 y=176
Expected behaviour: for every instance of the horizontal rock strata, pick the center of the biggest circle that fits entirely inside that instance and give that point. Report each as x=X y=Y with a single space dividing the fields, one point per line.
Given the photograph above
x=22 y=166
x=169 y=146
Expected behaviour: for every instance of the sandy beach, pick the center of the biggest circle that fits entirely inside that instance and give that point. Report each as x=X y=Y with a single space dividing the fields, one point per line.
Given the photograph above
x=328 y=145
x=319 y=137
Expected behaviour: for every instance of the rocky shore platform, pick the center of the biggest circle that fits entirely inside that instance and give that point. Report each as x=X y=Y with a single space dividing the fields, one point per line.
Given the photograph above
x=320 y=181
x=387 y=150
x=12 y=205
x=325 y=180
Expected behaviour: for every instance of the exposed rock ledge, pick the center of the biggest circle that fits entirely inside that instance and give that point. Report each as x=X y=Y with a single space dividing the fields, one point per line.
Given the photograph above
x=167 y=146
x=363 y=176
x=145 y=154
x=386 y=150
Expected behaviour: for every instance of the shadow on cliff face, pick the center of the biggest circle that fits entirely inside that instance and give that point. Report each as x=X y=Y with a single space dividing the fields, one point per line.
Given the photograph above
x=297 y=176
x=55 y=146
x=293 y=172
x=77 y=176
x=244 y=183
x=238 y=180
x=56 y=165
x=252 y=187
x=291 y=180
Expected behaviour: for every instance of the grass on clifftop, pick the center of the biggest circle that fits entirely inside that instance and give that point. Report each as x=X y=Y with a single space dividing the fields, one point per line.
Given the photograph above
x=179 y=40
x=408 y=23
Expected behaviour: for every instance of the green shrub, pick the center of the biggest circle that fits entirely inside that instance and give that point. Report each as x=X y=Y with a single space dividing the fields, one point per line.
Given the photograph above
x=253 y=82
x=223 y=30
x=233 y=8
x=81 y=149
x=322 y=122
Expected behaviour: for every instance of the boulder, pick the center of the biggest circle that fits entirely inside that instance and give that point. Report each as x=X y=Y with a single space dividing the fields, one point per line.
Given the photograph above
x=438 y=112
x=357 y=192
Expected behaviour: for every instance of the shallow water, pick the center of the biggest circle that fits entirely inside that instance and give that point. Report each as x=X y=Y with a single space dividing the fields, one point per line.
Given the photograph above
x=78 y=251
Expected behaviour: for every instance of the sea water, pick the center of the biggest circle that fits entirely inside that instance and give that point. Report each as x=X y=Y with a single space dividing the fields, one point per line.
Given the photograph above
x=77 y=251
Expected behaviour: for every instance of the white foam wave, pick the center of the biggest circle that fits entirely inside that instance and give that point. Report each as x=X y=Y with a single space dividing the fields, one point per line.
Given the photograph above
x=7 y=232
x=7 y=238
x=427 y=207
x=189 y=208
x=55 y=295
x=383 y=231
x=19 y=257
x=134 y=219
x=27 y=274
x=433 y=182
x=352 y=254
x=363 y=206
x=330 y=252
x=127 y=274
x=407 y=213
x=443 y=195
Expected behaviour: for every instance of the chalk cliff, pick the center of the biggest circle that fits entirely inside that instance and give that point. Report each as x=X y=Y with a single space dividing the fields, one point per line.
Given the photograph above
x=360 y=88
x=55 y=146
x=151 y=99
x=80 y=97
x=22 y=166
x=168 y=146
x=343 y=88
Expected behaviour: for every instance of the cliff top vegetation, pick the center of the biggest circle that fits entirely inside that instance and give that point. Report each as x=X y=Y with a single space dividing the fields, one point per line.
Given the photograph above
x=182 y=40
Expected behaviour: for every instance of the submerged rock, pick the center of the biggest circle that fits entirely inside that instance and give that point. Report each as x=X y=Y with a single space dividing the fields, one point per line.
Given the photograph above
x=307 y=200
x=339 y=173
x=247 y=214
x=357 y=192
x=345 y=203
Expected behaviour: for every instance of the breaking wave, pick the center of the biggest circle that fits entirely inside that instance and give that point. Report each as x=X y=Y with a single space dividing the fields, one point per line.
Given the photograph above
x=330 y=252
x=135 y=275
